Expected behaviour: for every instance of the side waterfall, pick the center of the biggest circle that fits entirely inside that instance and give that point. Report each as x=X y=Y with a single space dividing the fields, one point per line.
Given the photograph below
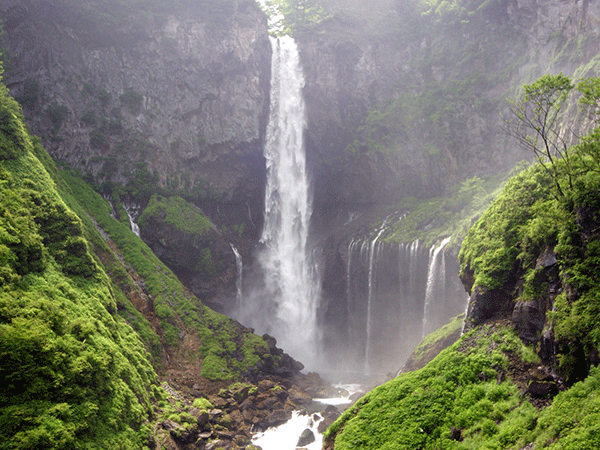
x=393 y=292
x=131 y=210
x=239 y=266
x=291 y=285
x=436 y=282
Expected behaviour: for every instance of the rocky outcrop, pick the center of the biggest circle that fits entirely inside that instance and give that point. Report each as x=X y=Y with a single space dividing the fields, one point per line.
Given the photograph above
x=183 y=96
x=181 y=235
x=395 y=113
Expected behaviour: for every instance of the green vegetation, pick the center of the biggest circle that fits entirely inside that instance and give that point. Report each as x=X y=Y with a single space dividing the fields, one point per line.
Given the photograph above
x=74 y=374
x=455 y=402
x=452 y=214
x=176 y=308
x=77 y=359
x=549 y=207
x=458 y=402
x=178 y=213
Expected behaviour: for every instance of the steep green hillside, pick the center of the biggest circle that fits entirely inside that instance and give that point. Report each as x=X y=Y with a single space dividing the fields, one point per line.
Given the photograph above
x=74 y=373
x=533 y=267
x=90 y=318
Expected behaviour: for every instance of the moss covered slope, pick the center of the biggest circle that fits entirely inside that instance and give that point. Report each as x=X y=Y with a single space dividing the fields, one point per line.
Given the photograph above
x=89 y=317
x=74 y=373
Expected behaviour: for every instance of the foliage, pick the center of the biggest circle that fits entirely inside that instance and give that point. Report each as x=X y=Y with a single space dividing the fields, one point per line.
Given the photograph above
x=74 y=374
x=132 y=100
x=572 y=422
x=451 y=214
x=526 y=220
x=497 y=238
x=458 y=389
x=293 y=16
x=535 y=122
x=460 y=12
x=177 y=212
x=176 y=308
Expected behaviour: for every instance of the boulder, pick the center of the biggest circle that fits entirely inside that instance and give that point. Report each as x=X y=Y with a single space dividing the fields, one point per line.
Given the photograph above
x=277 y=417
x=307 y=437
x=528 y=319
x=485 y=304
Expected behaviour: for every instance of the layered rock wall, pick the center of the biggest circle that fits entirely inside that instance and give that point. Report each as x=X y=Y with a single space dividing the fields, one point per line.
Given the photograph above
x=181 y=95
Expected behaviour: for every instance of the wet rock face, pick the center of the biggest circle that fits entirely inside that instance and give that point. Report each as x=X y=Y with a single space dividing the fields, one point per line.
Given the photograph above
x=185 y=240
x=485 y=304
x=184 y=95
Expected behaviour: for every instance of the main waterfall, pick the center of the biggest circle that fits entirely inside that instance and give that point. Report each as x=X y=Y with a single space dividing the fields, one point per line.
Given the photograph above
x=285 y=305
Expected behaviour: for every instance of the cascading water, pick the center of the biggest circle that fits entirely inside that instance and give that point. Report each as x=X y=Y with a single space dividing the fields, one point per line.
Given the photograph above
x=288 y=267
x=131 y=210
x=239 y=272
x=372 y=271
x=436 y=282
x=386 y=290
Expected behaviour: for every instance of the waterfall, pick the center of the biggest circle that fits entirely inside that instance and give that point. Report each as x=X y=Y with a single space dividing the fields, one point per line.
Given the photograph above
x=436 y=281
x=372 y=260
x=288 y=266
x=351 y=246
x=131 y=210
x=238 y=280
x=393 y=292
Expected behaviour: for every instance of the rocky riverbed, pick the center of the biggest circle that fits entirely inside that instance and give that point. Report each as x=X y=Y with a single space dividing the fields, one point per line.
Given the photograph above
x=228 y=419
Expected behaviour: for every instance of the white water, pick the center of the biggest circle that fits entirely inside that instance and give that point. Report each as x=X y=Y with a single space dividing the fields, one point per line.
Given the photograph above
x=372 y=259
x=130 y=209
x=285 y=437
x=287 y=263
x=436 y=277
x=238 y=280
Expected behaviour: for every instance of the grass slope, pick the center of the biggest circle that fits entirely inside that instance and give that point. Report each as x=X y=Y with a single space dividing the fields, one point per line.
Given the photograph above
x=74 y=374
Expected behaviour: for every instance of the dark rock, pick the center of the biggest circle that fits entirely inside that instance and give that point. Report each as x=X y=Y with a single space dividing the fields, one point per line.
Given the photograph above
x=277 y=418
x=528 y=319
x=485 y=304
x=151 y=442
x=241 y=394
x=299 y=397
x=242 y=440
x=225 y=434
x=456 y=434
x=215 y=414
x=236 y=417
x=542 y=389
x=203 y=418
x=219 y=444
x=266 y=385
x=307 y=437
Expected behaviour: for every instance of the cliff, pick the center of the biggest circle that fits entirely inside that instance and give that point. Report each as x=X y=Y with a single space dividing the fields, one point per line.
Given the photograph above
x=404 y=98
x=121 y=93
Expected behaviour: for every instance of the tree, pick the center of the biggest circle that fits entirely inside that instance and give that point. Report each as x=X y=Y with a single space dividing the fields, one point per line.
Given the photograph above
x=290 y=16
x=535 y=123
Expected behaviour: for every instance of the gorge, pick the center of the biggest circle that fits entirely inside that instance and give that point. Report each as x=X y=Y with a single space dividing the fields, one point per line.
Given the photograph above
x=324 y=191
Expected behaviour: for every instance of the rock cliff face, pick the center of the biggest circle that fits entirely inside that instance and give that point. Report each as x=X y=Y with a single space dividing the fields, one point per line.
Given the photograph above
x=183 y=96
x=414 y=107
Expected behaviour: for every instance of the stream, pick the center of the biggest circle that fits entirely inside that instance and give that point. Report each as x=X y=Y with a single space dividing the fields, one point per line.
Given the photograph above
x=288 y=435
